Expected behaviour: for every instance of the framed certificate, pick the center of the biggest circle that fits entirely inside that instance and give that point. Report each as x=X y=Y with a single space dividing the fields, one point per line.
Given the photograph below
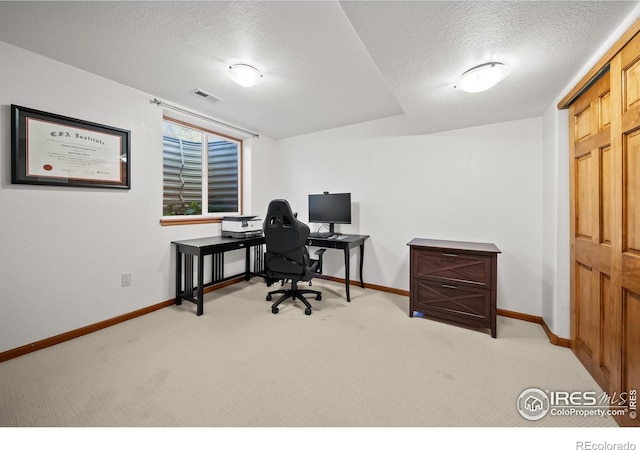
x=57 y=150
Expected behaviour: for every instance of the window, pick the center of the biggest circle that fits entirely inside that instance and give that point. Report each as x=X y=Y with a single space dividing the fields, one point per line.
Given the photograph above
x=201 y=174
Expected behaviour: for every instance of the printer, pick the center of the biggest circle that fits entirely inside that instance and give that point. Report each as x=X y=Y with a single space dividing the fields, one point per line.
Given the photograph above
x=241 y=226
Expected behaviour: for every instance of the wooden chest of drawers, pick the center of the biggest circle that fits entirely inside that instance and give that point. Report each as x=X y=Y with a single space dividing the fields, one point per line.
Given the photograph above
x=455 y=281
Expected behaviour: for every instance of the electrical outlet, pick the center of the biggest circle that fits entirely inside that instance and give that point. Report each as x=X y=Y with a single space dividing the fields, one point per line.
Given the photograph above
x=126 y=279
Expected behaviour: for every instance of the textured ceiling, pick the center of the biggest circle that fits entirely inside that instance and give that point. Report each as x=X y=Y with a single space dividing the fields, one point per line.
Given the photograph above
x=326 y=64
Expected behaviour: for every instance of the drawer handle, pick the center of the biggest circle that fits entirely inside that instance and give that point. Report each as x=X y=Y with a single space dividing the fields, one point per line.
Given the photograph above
x=452 y=255
x=448 y=286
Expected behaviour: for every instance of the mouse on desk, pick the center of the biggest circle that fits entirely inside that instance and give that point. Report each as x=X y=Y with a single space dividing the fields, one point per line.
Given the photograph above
x=342 y=236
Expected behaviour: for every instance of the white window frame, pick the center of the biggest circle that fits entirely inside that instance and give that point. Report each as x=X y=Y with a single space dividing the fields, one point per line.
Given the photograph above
x=205 y=217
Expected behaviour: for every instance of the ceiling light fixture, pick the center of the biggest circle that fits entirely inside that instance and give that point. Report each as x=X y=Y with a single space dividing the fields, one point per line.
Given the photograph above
x=244 y=74
x=482 y=77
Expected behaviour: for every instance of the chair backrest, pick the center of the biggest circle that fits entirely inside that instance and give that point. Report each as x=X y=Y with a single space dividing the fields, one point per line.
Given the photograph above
x=285 y=238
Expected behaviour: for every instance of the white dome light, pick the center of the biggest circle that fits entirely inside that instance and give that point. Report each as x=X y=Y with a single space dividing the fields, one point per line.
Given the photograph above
x=245 y=75
x=482 y=77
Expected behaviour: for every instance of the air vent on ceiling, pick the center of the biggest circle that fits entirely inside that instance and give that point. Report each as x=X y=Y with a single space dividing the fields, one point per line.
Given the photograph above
x=207 y=95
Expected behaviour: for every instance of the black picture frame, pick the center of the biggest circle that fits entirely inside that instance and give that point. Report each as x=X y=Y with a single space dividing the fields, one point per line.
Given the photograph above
x=50 y=149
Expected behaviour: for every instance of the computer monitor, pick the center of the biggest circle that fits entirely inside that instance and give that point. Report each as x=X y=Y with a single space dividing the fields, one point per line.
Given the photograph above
x=330 y=208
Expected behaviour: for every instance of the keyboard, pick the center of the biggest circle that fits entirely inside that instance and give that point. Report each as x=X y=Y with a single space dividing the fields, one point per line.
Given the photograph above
x=319 y=235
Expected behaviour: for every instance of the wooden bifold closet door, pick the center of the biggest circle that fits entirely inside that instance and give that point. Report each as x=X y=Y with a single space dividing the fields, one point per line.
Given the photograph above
x=605 y=227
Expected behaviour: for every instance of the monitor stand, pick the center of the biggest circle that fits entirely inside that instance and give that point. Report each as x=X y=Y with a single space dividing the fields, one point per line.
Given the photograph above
x=325 y=234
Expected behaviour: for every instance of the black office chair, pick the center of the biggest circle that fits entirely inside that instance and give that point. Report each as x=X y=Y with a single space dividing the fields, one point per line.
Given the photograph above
x=287 y=257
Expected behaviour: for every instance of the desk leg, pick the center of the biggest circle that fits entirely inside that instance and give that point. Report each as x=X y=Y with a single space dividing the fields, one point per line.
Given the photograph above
x=200 y=304
x=178 y=277
x=247 y=266
x=346 y=272
x=361 y=264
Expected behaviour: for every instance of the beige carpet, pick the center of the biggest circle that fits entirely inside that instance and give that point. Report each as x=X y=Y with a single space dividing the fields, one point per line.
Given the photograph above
x=359 y=364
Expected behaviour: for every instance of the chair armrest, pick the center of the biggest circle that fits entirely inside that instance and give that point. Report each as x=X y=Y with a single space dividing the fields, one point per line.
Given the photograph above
x=318 y=264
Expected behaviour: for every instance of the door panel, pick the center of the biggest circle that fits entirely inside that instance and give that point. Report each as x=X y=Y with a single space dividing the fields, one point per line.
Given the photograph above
x=630 y=223
x=605 y=226
x=632 y=338
x=605 y=110
x=583 y=124
x=606 y=195
x=584 y=203
x=631 y=93
x=594 y=336
x=609 y=318
x=587 y=311
x=632 y=192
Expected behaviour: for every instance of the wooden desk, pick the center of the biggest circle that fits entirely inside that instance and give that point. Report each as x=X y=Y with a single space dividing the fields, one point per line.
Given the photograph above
x=346 y=244
x=216 y=246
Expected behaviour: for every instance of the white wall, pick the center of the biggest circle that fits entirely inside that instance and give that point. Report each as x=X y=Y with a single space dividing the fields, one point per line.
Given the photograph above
x=267 y=175
x=63 y=250
x=556 y=304
x=477 y=184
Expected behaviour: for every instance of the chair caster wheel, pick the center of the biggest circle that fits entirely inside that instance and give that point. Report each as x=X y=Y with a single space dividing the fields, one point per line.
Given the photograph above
x=268 y=297
x=307 y=311
x=274 y=310
x=319 y=297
